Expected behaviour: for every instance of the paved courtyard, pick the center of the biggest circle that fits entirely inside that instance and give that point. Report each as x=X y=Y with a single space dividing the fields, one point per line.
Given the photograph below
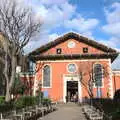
x=69 y=111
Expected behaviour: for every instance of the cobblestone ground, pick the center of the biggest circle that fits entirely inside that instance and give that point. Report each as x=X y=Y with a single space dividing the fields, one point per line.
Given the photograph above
x=69 y=111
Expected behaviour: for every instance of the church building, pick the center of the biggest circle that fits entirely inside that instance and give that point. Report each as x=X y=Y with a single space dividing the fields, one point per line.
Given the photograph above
x=74 y=65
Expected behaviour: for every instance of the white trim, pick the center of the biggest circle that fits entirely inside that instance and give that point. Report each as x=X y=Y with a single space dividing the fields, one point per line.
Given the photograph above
x=50 y=75
x=56 y=61
x=65 y=79
x=27 y=76
x=116 y=73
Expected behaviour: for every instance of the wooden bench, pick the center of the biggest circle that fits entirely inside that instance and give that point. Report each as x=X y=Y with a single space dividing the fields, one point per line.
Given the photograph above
x=29 y=112
x=96 y=116
x=92 y=113
x=1 y=117
x=18 y=116
x=53 y=106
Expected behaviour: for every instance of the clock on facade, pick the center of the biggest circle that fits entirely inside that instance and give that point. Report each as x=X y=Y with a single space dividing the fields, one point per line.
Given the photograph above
x=71 y=68
x=71 y=44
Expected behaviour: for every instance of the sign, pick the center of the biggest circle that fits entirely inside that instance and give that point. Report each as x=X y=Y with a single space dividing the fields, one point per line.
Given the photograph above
x=71 y=77
x=45 y=93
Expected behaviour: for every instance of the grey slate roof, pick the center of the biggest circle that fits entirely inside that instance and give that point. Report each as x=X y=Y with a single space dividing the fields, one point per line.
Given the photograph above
x=116 y=63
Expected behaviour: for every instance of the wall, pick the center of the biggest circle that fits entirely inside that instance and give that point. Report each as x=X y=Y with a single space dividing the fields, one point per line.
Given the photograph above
x=78 y=49
x=116 y=80
x=59 y=69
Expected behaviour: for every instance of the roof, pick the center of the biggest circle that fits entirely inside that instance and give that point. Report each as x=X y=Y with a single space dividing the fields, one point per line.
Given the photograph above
x=112 y=56
x=116 y=63
x=76 y=36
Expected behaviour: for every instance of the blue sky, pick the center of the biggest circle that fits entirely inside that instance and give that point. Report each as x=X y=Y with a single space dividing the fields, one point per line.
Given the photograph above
x=96 y=19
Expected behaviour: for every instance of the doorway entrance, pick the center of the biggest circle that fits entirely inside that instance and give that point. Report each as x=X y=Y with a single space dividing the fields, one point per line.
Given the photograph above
x=72 y=91
x=71 y=85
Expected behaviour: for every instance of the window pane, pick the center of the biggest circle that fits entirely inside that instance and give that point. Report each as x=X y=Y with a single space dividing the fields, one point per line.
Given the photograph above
x=46 y=76
x=85 y=50
x=58 y=50
x=98 y=75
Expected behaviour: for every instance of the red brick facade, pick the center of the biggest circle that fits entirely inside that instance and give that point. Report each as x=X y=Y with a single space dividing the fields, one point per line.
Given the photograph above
x=116 y=80
x=84 y=62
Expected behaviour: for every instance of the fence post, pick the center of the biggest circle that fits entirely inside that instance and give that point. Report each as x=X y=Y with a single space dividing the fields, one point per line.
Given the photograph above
x=1 y=116
x=110 y=118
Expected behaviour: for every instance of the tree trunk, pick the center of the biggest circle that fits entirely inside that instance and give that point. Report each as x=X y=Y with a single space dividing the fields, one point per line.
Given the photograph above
x=13 y=72
x=7 y=96
x=10 y=80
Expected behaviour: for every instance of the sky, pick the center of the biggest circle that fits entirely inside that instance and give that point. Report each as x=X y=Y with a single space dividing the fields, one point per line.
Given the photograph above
x=96 y=19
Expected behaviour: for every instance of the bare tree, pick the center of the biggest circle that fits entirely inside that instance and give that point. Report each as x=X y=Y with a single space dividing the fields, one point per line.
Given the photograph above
x=18 y=25
x=37 y=84
x=88 y=77
x=2 y=82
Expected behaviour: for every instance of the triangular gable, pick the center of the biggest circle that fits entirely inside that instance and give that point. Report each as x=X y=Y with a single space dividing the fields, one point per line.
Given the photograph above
x=74 y=36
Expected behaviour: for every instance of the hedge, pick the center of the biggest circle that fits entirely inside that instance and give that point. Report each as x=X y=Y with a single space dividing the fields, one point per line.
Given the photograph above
x=46 y=101
x=25 y=101
x=110 y=106
x=2 y=99
x=22 y=102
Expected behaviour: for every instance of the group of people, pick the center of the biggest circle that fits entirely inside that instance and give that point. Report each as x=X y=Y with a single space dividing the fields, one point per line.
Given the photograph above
x=72 y=98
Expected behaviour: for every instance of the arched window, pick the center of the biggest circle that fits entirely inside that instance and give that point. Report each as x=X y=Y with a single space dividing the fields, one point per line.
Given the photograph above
x=46 y=76
x=98 y=75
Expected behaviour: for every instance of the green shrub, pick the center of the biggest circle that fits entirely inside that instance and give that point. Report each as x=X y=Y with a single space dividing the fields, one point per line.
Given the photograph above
x=5 y=107
x=2 y=99
x=39 y=97
x=109 y=106
x=25 y=101
x=46 y=101
x=18 y=87
x=19 y=103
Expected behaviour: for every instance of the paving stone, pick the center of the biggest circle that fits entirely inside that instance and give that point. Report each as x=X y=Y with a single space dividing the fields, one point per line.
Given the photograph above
x=69 y=111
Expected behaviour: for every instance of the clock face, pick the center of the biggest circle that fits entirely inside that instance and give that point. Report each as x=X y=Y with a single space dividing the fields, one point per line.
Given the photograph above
x=72 y=68
x=71 y=44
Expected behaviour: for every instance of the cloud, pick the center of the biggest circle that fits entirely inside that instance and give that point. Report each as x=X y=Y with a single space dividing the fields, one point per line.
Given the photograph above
x=44 y=38
x=113 y=19
x=88 y=34
x=112 y=42
x=53 y=36
x=56 y=15
x=52 y=2
x=112 y=27
x=59 y=15
x=64 y=15
x=81 y=24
